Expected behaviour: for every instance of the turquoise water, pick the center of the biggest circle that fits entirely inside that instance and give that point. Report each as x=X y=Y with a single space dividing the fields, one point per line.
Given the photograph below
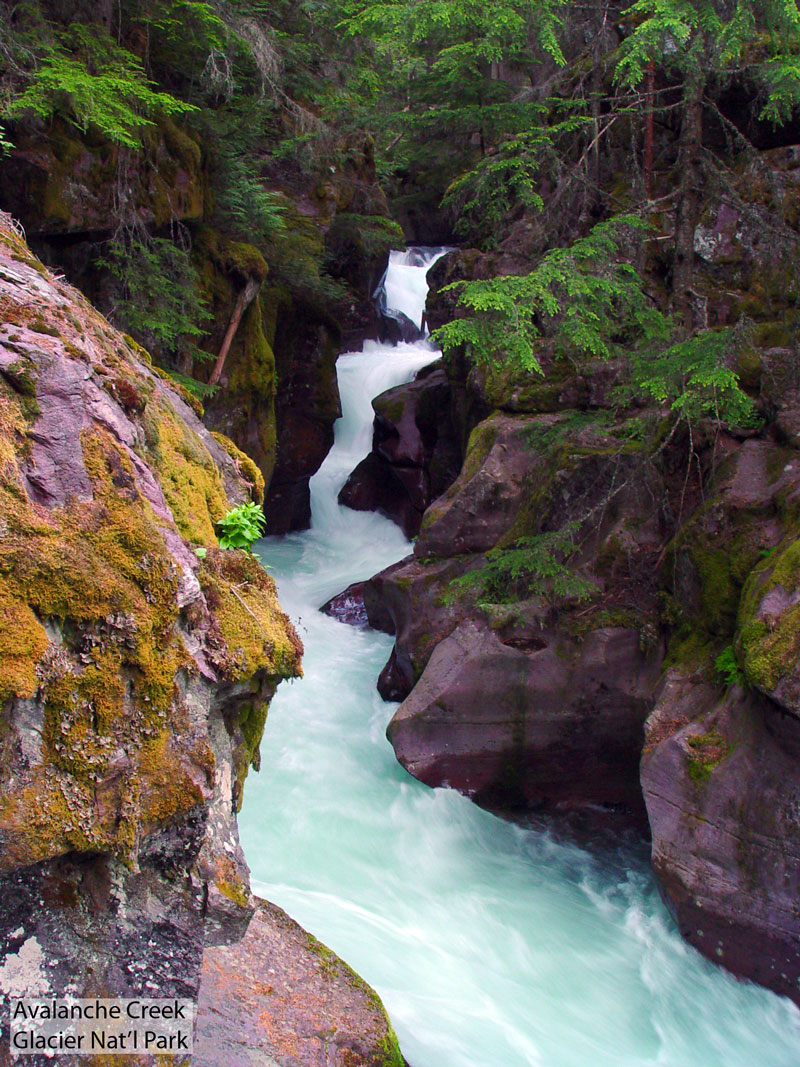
x=491 y=945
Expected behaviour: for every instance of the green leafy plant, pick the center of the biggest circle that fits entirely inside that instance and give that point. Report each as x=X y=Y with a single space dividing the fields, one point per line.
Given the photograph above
x=533 y=566
x=242 y=526
x=727 y=668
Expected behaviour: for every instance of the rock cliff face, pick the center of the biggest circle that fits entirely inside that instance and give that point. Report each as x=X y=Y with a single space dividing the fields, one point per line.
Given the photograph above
x=719 y=775
x=666 y=684
x=314 y=278
x=135 y=676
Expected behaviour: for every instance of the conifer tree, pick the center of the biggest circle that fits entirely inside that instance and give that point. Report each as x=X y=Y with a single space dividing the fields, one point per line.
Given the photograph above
x=698 y=44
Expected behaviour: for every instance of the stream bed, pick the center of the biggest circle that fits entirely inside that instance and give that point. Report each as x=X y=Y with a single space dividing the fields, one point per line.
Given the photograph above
x=491 y=945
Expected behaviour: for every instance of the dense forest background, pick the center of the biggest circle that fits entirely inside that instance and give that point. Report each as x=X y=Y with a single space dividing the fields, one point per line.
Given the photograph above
x=512 y=126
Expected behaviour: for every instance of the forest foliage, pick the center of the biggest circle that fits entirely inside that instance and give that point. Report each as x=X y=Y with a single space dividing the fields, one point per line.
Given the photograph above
x=500 y=109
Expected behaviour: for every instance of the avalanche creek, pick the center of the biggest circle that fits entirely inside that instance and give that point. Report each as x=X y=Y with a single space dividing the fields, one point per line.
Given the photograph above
x=491 y=945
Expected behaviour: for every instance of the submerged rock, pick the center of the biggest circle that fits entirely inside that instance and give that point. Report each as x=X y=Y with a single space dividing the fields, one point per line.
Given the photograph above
x=348 y=606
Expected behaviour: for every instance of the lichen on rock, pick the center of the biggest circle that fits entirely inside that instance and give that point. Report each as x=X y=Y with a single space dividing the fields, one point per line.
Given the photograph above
x=135 y=679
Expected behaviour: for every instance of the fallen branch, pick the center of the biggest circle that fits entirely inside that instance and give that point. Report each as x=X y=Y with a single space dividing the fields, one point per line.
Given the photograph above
x=243 y=301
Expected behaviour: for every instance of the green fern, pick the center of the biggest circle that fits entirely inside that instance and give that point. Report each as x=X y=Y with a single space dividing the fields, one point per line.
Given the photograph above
x=533 y=566
x=728 y=669
x=507 y=179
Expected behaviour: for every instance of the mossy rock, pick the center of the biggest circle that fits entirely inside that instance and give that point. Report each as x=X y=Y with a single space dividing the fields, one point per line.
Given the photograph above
x=105 y=637
x=768 y=635
x=188 y=475
x=255 y=633
x=245 y=466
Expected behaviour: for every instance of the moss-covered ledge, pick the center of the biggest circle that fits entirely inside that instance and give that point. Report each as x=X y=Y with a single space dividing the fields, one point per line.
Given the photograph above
x=135 y=677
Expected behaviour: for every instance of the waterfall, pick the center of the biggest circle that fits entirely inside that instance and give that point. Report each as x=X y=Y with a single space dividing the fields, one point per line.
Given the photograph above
x=491 y=945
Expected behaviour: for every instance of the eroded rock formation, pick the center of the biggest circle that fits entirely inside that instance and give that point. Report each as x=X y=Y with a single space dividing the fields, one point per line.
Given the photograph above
x=135 y=671
x=414 y=456
x=687 y=624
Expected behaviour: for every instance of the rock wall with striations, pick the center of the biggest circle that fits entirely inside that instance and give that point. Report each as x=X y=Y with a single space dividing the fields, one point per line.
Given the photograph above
x=135 y=673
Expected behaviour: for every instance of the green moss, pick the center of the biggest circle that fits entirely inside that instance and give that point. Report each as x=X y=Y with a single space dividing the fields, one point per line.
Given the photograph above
x=706 y=752
x=245 y=467
x=748 y=367
x=188 y=475
x=256 y=635
x=40 y=325
x=769 y=655
x=256 y=369
x=97 y=573
x=481 y=441
x=719 y=592
x=31 y=261
x=181 y=145
x=22 y=644
x=100 y=566
x=21 y=376
x=232 y=257
x=723 y=555
x=389 y=1049
x=771 y=335
x=390 y=409
x=252 y=720
x=356 y=243
x=181 y=390
x=691 y=649
x=770 y=647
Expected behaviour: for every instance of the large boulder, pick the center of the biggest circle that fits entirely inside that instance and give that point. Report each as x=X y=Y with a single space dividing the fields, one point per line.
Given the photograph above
x=408 y=600
x=501 y=474
x=251 y=1013
x=719 y=775
x=520 y=473
x=524 y=718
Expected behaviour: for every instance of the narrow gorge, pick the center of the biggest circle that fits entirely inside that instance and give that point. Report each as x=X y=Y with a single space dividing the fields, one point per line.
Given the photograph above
x=489 y=942
x=400 y=533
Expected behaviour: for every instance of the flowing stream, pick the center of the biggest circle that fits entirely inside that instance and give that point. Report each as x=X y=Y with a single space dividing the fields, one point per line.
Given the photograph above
x=491 y=945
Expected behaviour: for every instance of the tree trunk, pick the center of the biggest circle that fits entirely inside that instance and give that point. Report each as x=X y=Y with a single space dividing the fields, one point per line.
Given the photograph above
x=243 y=301
x=649 y=131
x=689 y=171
